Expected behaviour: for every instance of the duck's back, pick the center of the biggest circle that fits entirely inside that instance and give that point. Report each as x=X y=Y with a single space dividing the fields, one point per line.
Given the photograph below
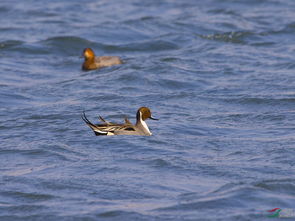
x=105 y=61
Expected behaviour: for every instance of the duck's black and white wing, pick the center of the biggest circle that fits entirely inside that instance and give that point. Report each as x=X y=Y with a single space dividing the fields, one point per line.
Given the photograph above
x=109 y=128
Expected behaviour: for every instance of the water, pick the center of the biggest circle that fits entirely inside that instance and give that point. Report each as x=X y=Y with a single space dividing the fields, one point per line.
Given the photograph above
x=218 y=74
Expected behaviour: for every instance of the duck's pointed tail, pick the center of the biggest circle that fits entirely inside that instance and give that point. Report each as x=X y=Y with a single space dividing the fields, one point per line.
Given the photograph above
x=95 y=129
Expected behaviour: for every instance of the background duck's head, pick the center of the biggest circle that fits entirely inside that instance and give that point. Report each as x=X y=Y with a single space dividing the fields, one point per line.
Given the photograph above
x=88 y=53
x=144 y=113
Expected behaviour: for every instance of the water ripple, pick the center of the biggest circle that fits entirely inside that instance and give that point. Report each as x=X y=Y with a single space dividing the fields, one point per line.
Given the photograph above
x=219 y=75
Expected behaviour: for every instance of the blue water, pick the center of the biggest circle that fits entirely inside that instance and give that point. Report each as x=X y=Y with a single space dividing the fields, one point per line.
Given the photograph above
x=220 y=76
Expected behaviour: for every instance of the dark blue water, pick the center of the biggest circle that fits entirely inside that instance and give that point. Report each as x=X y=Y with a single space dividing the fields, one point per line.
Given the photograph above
x=220 y=75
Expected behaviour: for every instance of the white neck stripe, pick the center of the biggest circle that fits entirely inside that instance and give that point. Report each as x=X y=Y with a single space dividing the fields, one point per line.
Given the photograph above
x=143 y=123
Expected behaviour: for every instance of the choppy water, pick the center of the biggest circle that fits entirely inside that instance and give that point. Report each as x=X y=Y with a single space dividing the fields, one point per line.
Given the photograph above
x=220 y=75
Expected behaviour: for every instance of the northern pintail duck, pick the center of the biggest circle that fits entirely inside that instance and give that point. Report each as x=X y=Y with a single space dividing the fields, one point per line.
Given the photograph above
x=92 y=62
x=127 y=128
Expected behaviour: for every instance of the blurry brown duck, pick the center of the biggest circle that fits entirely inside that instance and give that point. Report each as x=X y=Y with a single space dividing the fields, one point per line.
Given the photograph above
x=92 y=62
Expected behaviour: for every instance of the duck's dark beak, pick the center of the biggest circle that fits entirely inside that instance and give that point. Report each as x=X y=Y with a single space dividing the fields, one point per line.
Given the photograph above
x=82 y=54
x=153 y=118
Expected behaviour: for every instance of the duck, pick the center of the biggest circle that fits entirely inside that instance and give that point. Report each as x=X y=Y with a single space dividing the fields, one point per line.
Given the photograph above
x=93 y=62
x=127 y=128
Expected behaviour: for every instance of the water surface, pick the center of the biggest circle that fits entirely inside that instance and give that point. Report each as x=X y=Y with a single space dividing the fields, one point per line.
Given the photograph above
x=218 y=74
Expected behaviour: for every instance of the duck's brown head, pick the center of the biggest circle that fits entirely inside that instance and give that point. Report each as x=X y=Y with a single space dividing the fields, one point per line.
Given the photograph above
x=88 y=53
x=144 y=113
